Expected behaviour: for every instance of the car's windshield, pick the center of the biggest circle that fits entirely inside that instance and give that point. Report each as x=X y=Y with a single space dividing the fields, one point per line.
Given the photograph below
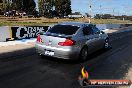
x=63 y=29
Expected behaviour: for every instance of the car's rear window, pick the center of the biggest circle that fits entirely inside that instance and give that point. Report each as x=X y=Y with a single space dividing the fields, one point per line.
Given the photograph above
x=63 y=29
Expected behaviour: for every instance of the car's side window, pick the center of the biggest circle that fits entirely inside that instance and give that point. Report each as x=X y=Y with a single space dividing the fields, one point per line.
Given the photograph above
x=96 y=30
x=87 y=30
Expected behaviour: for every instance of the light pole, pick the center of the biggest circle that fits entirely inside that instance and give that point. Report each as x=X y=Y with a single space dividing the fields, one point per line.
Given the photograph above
x=90 y=10
x=113 y=11
x=101 y=11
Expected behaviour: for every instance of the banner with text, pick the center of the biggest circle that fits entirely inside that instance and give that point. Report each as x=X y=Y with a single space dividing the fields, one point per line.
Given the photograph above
x=24 y=32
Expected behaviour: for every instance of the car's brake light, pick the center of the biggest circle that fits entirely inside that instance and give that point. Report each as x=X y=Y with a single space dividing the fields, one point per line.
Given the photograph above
x=39 y=38
x=68 y=42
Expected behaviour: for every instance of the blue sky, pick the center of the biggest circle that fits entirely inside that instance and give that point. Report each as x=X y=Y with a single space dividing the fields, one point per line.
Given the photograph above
x=116 y=7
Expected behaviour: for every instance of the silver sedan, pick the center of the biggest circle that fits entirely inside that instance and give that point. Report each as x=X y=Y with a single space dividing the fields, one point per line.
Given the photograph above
x=71 y=40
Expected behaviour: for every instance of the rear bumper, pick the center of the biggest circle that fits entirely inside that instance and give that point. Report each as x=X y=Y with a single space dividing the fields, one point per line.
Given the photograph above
x=70 y=53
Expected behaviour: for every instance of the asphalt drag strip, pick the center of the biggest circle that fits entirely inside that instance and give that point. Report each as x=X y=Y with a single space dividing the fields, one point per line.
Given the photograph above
x=31 y=71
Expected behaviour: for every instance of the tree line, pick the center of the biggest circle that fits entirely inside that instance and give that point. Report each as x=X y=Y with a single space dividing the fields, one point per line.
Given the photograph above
x=110 y=16
x=19 y=5
x=46 y=7
x=55 y=7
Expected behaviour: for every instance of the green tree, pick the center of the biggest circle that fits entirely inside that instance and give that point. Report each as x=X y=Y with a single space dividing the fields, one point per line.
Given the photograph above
x=40 y=6
x=18 y=5
x=24 y=5
x=1 y=1
x=45 y=6
x=29 y=5
x=63 y=7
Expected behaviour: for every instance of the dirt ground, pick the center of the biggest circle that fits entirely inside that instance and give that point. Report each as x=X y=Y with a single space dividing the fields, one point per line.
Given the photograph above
x=16 y=21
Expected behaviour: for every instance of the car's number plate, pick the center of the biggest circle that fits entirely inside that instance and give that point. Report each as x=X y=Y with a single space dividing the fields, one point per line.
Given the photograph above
x=49 y=53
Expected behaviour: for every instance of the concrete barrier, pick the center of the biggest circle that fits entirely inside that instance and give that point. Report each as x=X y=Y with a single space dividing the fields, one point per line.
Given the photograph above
x=20 y=32
x=5 y=33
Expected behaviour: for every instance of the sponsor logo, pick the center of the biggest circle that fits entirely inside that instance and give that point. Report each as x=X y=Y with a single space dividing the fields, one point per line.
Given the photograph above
x=84 y=81
x=28 y=32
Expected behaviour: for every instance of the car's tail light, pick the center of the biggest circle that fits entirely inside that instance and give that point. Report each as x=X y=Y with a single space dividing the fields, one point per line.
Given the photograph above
x=68 y=42
x=39 y=38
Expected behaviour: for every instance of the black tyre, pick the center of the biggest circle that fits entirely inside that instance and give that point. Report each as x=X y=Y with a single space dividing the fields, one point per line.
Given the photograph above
x=84 y=54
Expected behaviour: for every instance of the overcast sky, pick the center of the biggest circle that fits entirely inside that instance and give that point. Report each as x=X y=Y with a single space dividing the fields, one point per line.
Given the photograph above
x=116 y=7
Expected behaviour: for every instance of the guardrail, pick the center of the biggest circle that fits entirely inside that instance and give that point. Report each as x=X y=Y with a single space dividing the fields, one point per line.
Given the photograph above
x=24 y=32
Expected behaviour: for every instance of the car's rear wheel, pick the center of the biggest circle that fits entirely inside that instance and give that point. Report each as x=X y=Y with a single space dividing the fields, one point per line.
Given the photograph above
x=84 y=54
